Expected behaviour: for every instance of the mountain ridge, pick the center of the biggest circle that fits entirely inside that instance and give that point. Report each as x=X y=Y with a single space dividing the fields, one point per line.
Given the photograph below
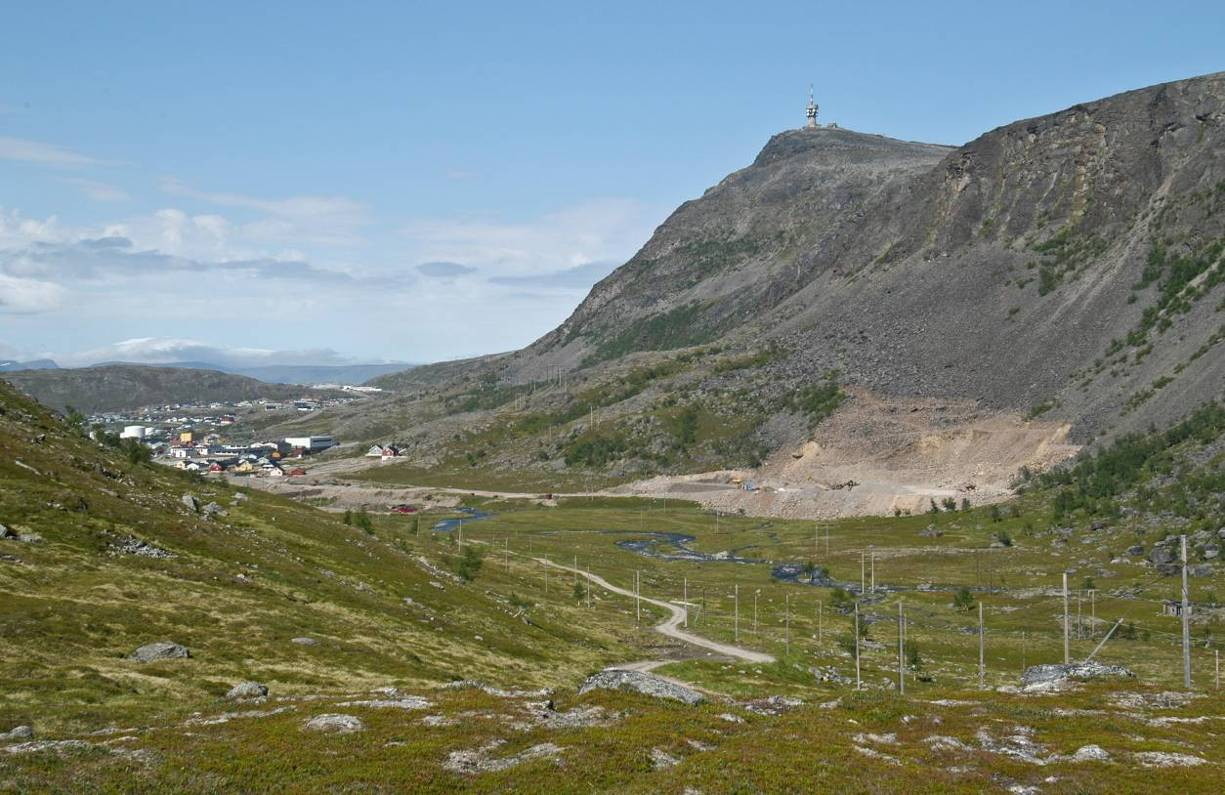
x=130 y=386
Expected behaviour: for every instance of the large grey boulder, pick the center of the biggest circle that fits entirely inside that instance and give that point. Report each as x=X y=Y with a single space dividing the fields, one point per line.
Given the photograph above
x=213 y=509
x=7 y=533
x=245 y=690
x=190 y=502
x=639 y=682
x=161 y=650
x=335 y=724
x=17 y=733
x=1053 y=676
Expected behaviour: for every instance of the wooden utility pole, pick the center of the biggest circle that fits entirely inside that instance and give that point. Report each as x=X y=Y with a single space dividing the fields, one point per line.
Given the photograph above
x=874 y=571
x=901 y=650
x=863 y=582
x=685 y=599
x=576 y=569
x=1093 y=612
x=638 y=594
x=736 y=620
x=755 y=595
x=1186 y=621
x=858 y=681
x=588 y=585
x=982 y=659
x=1217 y=652
x=1079 y=623
x=787 y=626
x=1067 y=651
x=820 y=617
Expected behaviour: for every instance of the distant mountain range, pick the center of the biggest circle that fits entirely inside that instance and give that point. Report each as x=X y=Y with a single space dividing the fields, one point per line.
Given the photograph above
x=306 y=374
x=118 y=387
x=36 y=364
x=344 y=374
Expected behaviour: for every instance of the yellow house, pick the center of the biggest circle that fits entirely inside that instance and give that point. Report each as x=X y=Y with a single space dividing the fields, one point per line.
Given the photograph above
x=185 y=437
x=245 y=468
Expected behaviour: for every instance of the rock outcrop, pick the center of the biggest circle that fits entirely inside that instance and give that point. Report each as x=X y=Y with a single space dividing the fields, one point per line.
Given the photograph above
x=639 y=682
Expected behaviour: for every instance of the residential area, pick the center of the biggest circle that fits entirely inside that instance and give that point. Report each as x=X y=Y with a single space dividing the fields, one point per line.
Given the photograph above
x=219 y=438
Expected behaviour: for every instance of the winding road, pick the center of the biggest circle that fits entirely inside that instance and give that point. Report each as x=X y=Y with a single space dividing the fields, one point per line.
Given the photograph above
x=671 y=626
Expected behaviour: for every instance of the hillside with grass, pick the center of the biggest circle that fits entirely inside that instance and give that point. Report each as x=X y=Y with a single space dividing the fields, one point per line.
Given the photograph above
x=311 y=647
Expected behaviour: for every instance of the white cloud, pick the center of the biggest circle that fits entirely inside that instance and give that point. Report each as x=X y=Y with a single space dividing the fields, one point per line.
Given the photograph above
x=328 y=220
x=98 y=191
x=38 y=152
x=21 y=296
x=593 y=231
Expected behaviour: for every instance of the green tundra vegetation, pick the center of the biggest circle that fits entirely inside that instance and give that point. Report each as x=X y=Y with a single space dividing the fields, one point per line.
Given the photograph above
x=326 y=614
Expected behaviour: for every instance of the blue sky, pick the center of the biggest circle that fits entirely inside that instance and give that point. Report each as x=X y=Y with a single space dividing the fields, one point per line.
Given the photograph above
x=415 y=182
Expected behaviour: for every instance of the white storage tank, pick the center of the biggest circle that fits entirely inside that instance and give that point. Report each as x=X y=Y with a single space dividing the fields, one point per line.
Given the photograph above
x=133 y=432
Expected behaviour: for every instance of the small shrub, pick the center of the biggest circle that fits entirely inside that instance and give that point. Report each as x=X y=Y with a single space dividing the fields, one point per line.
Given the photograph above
x=469 y=564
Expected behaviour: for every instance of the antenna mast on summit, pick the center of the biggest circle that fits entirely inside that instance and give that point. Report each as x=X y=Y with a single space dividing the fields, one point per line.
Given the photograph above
x=811 y=110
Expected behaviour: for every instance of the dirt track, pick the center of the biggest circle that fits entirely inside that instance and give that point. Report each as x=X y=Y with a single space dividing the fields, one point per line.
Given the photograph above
x=671 y=626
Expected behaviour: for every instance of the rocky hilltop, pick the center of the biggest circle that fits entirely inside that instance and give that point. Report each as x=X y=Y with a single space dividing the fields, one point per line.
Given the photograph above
x=959 y=313
x=1055 y=263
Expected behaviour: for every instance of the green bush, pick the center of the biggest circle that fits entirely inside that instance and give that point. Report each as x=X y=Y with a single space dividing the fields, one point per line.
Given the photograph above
x=469 y=564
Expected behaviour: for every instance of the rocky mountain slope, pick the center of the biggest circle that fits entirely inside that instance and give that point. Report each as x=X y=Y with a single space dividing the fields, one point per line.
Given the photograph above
x=1059 y=270
x=129 y=386
x=1035 y=265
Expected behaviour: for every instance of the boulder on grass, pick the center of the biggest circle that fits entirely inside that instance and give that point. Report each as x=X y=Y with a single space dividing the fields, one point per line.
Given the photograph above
x=162 y=650
x=335 y=724
x=245 y=690
x=639 y=682
x=1053 y=676
x=17 y=733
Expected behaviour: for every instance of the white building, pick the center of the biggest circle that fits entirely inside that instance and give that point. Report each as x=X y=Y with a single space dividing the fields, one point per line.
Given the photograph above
x=133 y=432
x=312 y=444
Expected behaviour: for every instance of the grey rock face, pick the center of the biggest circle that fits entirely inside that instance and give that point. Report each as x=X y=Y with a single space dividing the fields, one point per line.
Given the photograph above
x=304 y=641
x=7 y=533
x=1091 y=753
x=647 y=684
x=661 y=759
x=161 y=650
x=134 y=546
x=17 y=733
x=335 y=724
x=886 y=252
x=244 y=690
x=1052 y=676
x=190 y=502
x=213 y=509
